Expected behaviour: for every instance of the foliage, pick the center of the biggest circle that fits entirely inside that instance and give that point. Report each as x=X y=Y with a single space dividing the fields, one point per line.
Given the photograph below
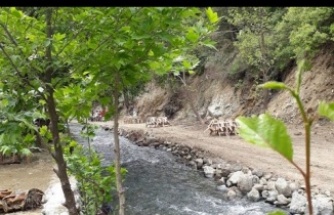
x=326 y=110
x=277 y=212
x=265 y=130
x=16 y=130
x=70 y=57
x=307 y=28
x=95 y=181
x=269 y=37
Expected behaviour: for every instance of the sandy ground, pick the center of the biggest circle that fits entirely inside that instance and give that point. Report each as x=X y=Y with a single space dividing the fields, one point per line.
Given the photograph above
x=236 y=150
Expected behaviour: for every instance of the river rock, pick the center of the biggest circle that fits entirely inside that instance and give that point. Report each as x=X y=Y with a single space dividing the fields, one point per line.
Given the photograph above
x=192 y=164
x=208 y=171
x=259 y=187
x=199 y=162
x=265 y=194
x=254 y=195
x=257 y=172
x=255 y=179
x=272 y=196
x=270 y=185
x=294 y=186
x=282 y=186
x=234 y=178
x=267 y=176
x=221 y=181
x=246 y=171
x=233 y=193
x=207 y=161
x=218 y=173
x=156 y=144
x=263 y=181
x=298 y=203
x=322 y=205
x=225 y=171
x=282 y=200
x=245 y=183
x=188 y=157
x=222 y=188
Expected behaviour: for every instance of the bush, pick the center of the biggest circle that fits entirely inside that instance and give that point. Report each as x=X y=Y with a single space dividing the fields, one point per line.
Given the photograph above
x=95 y=181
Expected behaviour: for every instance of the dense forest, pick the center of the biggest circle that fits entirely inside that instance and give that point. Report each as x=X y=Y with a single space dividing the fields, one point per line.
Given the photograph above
x=57 y=62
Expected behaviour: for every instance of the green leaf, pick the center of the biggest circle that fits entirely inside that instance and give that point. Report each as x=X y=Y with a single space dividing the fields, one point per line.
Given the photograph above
x=15 y=12
x=47 y=43
x=59 y=36
x=213 y=16
x=192 y=36
x=326 y=110
x=278 y=212
x=25 y=151
x=273 y=85
x=209 y=44
x=186 y=64
x=265 y=130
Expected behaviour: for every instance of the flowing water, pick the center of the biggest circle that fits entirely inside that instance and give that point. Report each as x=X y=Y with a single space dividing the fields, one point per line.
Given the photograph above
x=157 y=185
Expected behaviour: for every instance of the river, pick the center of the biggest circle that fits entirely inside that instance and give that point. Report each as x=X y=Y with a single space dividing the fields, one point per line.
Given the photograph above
x=158 y=185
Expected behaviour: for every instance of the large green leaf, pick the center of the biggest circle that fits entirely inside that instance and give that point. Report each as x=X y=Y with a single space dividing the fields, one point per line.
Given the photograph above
x=326 y=110
x=265 y=130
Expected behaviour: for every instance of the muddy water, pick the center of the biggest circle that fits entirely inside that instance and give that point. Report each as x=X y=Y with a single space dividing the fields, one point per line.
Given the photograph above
x=22 y=177
x=157 y=185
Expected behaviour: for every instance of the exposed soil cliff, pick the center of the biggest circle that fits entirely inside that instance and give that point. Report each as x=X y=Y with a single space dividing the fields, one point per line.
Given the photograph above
x=212 y=93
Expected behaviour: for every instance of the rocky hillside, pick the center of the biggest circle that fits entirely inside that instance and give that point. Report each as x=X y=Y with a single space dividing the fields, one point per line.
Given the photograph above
x=214 y=94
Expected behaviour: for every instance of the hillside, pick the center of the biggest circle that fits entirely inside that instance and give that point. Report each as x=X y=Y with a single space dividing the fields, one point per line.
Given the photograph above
x=214 y=95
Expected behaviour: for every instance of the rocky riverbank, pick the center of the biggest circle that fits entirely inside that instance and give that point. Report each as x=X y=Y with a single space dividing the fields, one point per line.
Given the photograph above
x=235 y=181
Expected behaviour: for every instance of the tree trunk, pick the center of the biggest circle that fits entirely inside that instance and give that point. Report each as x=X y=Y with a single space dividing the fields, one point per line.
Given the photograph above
x=265 y=71
x=189 y=99
x=117 y=150
x=192 y=106
x=126 y=102
x=265 y=93
x=58 y=151
x=59 y=158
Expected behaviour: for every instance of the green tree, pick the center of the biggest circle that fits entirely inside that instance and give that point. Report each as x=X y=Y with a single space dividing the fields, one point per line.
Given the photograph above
x=256 y=39
x=131 y=45
x=302 y=30
x=34 y=58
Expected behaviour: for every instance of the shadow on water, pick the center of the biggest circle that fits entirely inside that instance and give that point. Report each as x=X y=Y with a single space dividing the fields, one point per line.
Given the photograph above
x=157 y=185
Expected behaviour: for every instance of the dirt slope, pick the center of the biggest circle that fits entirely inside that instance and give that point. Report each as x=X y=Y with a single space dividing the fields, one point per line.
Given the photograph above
x=234 y=149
